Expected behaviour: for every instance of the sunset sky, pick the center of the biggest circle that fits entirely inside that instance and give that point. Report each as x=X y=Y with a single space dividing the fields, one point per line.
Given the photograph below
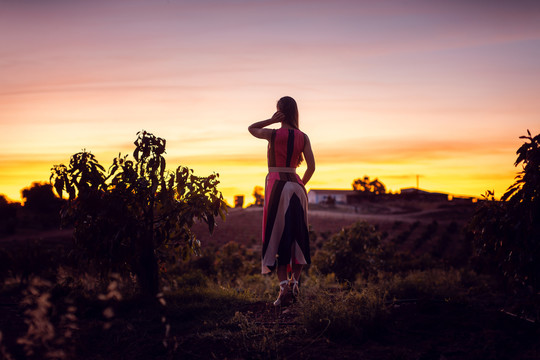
x=388 y=89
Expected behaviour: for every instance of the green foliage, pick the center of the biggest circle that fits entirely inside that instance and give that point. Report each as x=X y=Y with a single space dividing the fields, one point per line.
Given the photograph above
x=353 y=250
x=507 y=232
x=137 y=214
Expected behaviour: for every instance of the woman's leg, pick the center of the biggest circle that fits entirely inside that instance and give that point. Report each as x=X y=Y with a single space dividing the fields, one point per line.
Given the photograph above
x=283 y=284
x=297 y=270
x=282 y=272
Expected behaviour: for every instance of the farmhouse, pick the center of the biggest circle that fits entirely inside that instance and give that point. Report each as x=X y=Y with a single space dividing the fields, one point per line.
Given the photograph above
x=339 y=196
x=321 y=196
x=423 y=194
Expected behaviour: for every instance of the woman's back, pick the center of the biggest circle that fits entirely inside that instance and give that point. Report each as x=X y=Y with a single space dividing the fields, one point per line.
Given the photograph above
x=285 y=148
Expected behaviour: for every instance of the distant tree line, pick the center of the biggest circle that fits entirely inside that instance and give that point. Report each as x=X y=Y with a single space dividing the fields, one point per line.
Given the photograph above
x=40 y=209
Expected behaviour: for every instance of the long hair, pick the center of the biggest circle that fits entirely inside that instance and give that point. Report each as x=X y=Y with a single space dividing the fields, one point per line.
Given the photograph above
x=287 y=105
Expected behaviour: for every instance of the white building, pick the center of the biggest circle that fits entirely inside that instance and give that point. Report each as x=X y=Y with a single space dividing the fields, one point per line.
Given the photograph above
x=320 y=196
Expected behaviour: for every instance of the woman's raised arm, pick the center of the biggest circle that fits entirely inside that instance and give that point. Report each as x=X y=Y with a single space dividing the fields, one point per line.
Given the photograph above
x=258 y=129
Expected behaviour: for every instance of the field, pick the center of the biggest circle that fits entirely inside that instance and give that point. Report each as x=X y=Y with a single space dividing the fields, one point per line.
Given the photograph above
x=415 y=228
x=431 y=300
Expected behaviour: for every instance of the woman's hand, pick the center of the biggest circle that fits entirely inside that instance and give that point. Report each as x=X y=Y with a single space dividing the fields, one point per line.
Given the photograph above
x=278 y=117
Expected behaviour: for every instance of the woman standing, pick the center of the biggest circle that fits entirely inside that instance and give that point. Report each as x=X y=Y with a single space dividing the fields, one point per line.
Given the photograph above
x=285 y=224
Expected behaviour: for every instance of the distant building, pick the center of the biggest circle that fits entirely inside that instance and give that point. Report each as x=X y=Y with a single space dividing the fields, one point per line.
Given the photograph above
x=321 y=196
x=351 y=197
x=423 y=195
x=428 y=195
x=238 y=201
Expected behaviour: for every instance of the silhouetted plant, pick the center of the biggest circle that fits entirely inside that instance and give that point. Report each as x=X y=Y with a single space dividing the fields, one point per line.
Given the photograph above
x=138 y=213
x=258 y=194
x=507 y=232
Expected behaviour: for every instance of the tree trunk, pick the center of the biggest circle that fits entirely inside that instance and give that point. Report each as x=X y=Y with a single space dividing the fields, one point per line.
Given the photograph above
x=147 y=267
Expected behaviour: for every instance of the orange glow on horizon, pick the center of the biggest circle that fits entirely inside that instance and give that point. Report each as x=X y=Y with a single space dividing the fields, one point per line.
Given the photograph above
x=239 y=177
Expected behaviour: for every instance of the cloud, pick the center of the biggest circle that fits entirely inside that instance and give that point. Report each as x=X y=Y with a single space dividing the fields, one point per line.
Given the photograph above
x=396 y=150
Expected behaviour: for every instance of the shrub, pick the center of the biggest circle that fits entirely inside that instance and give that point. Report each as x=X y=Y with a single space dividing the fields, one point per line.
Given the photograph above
x=192 y=279
x=230 y=261
x=353 y=250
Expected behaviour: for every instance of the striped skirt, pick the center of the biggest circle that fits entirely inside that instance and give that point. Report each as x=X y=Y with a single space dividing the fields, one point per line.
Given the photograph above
x=285 y=230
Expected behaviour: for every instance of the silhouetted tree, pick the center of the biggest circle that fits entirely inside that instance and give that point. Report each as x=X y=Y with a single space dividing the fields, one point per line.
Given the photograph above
x=8 y=215
x=366 y=187
x=40 y=197
x=137 y=214
x=41 y=207
x=507 y=232
x=258 y=194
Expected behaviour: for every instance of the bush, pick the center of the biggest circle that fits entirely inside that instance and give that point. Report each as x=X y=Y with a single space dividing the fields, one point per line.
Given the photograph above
x=353 y=250
x=230 y=261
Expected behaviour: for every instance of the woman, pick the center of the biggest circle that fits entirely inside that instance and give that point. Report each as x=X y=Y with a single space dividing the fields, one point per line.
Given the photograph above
x=285 y=231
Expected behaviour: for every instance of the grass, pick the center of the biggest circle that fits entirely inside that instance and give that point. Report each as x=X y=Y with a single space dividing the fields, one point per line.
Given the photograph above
x=455 y=285
x=212 y=308
x=196 y=317
x=343 y=315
